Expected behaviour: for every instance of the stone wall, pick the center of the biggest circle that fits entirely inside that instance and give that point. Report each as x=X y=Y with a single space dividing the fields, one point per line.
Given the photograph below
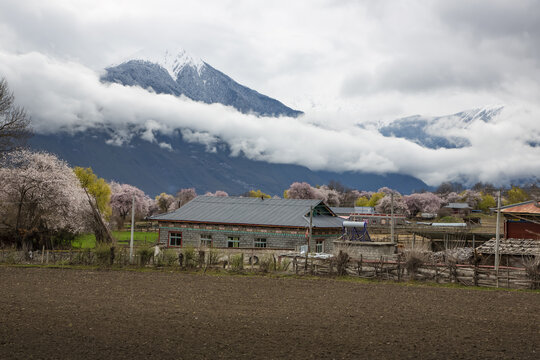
x=368 y=249
x=276 y=237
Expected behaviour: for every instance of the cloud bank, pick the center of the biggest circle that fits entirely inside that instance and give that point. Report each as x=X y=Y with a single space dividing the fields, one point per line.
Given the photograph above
x=68 y=96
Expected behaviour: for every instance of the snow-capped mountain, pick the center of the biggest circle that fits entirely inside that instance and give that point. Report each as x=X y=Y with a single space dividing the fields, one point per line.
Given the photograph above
x=179 y=73
x=441 y=131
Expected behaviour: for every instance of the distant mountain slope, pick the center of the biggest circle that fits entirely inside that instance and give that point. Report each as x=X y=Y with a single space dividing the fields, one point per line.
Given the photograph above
x=156 y=170
x=434 y=132
x=182 y=75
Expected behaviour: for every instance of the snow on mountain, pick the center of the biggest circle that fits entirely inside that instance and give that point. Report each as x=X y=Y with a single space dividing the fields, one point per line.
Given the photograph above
x=173 y=61
x=439 y=132
x=179 y=73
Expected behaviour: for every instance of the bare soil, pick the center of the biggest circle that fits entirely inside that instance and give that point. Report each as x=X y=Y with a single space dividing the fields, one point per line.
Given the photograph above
x=83 y=314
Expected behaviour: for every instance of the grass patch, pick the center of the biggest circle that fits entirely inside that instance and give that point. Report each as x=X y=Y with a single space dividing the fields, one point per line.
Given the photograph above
x=88 y=241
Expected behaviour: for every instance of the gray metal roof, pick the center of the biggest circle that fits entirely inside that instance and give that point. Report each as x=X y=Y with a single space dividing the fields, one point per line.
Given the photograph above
x=254 y=211
x=342 y=210
x=458 y=206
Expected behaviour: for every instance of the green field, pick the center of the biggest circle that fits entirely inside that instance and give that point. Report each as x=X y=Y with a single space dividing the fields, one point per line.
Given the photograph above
x=88 y=241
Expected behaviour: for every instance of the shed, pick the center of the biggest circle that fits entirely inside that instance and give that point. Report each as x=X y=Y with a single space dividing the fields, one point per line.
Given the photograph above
x=522 y=220
x=512 y=251
x=458 y=208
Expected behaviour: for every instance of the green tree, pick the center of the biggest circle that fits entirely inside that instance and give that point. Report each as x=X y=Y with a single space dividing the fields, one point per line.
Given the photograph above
x=163 y=201
x=258 y=194
x=375 y=198
x=362 y=201
x=97 y=188
x=516 y=195
x=487 y=201
x=99 y=196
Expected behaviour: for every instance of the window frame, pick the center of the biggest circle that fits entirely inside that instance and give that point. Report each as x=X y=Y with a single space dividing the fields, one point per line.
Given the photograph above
x=233 y=240
x=260 y=241
x=175 y=233
x=321 y=244
x=204 y=239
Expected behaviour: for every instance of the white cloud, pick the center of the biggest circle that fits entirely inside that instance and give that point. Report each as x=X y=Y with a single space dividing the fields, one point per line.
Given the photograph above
x=66 y=95
x=343 y=63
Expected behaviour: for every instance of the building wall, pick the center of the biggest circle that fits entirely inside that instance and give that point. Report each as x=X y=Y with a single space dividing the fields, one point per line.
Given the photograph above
x=518 y=230
x=276 y=238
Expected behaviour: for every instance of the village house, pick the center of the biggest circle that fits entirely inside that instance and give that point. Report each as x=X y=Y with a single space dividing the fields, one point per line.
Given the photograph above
x=521 y=234
x=252 y=223
x=458 y=208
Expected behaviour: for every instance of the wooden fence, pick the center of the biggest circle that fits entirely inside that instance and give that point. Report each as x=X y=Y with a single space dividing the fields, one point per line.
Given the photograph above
x=396 y=270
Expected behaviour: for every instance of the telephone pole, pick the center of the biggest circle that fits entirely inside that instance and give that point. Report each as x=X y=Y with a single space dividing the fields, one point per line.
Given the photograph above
x=392 y=217
x=132 y=226
x=498 y=236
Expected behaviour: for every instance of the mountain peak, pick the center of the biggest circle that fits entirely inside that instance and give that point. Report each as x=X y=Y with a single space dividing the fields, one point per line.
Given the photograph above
x=171 y=60
x=179 y=73
x=174 y=62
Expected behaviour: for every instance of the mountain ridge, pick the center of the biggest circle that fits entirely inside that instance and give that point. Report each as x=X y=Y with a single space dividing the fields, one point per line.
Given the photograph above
x=197 y=80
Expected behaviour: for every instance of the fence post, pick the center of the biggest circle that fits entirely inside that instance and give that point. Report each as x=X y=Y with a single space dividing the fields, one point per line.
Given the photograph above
x=436 y=271
x=475 y=274
x=399 y=267
x=507 y=273
x=381 y=270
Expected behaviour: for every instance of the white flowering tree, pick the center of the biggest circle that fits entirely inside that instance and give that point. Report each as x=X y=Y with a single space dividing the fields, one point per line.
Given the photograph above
x=121 y=202
x=40 y=198
x=183 y=196
x=423 y=203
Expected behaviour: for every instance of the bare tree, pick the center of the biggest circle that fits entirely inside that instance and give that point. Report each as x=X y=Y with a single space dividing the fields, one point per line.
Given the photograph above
x=14 y=122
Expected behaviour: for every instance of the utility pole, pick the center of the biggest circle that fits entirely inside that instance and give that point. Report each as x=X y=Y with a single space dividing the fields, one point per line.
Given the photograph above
x=132 y=226
x=392 y=217
x=498 y=236
x=310 y=235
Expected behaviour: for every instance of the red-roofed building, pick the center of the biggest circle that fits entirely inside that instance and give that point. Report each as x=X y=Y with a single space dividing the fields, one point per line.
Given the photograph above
x=522 y=221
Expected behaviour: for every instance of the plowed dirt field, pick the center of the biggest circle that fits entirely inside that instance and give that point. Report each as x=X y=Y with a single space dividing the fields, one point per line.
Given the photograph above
x=83 y=314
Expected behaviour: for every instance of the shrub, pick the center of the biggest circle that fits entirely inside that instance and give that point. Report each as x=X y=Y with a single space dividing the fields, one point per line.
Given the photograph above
x=532 y=268
x=103 y=254
x=169 y=257
x=212 y=257
x=145 y=254
x=189 y=257
x=237 y=262
x=342 y=261
x=266 y=264
x=83 y=257
x=269 y=263
x=414 y=259
x=283 y=266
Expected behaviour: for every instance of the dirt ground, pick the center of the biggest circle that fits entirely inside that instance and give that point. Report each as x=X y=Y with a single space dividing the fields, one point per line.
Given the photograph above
x=83 y=314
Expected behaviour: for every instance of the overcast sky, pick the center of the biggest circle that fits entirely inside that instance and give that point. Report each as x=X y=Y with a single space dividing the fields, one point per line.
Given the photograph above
x=343 y=63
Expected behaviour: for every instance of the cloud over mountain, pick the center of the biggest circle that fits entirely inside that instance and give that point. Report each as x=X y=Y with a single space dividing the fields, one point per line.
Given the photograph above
x=68 y=96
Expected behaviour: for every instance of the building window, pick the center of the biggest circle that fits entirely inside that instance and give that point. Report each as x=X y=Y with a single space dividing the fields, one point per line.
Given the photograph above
x=319 y=246
x=260 y=243
x=233 y=242
x=175 y=239
x=206 y=240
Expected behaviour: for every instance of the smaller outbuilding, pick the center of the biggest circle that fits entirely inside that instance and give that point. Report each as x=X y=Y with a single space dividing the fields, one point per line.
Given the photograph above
x=514 y=252
x=459 y=208
x=522 y=220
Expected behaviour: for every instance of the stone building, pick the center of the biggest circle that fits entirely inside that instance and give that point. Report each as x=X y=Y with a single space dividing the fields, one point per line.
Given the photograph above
x=253 y=223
